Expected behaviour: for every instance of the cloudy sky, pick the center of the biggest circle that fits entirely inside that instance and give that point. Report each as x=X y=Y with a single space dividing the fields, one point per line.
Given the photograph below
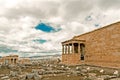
x=37 y=27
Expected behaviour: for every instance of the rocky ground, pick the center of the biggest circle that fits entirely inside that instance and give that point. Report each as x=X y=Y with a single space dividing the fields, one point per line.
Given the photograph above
x=56 y=71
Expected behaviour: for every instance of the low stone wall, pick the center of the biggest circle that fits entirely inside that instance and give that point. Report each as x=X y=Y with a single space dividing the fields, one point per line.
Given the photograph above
x=71 y=59
x=98 y=60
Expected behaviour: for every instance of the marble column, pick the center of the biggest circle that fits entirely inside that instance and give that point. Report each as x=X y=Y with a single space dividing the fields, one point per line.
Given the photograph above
x=79 y=48
x=63 y=49
x=68 y=48
x=73 y=48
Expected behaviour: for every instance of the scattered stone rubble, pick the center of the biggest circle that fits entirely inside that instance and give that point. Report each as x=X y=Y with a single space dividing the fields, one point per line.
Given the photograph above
x=42 y=70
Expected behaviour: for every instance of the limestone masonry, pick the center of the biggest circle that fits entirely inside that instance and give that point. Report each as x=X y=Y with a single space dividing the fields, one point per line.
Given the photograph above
x=14 y=59
x=100 y=47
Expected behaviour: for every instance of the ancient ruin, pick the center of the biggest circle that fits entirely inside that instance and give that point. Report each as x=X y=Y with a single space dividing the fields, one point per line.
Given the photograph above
x=11 y=59
x=83 y=58
x=100 y=47
x=14 y=59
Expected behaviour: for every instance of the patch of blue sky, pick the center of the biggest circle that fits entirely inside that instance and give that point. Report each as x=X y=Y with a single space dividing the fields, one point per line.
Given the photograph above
x=46 y=28
x=4 y=49
x=96 y=25
x=41 y=41
x=88 y=18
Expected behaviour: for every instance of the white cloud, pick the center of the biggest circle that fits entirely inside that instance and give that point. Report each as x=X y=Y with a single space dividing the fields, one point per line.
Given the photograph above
x=19 y=17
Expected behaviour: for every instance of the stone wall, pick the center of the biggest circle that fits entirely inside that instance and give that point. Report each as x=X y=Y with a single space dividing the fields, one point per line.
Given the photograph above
x=102 y=46
x=24 y=61
x=71 y=59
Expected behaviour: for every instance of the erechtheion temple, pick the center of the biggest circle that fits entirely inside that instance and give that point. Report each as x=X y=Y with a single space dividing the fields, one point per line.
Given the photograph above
x=100 y=47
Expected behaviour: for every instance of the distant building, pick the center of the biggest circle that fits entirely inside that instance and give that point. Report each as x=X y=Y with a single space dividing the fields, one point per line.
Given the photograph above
x=100 y=47
x=14 y=59
x=24 y=61
x=11 y=59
